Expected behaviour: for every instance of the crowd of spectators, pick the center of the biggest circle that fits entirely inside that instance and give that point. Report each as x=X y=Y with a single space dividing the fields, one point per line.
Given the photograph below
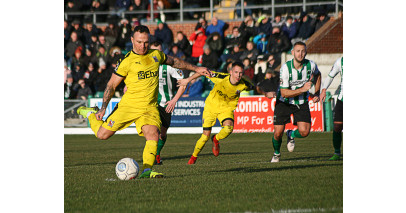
x=91 y=52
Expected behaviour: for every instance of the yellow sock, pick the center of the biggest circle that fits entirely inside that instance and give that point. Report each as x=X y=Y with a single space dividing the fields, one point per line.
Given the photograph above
x=94 y=123
x=224 y=132
x=148 y=157
x=200 y=144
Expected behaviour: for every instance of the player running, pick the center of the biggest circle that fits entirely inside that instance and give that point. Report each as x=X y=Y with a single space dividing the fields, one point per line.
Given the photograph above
x=338 y=109
x=296 y=78
x=220 y=104
x=139 y=70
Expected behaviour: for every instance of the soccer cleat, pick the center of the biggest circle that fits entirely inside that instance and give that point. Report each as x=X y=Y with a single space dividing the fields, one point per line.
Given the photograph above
x=275 y=158
x=335 y=157
x=192 y=160
x=291 y=141
x=150 y=174
x=158 y=160
x=84 y=110
x=216 y=146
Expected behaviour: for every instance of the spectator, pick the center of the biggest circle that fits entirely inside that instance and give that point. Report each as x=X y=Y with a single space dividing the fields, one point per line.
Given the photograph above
x=265 y=25
x=277 y=22
x=77 y=73
x=111 y=33
x=248 y=69
x=77 y=58
x=73 y=6
x=78 y=29
x=305 y=29
x=278 y=42
x=124 y=35
x=83 y=91
x=246 y=10
x=176 y=52
x=202 y=23
x=209 y=58
x=289 y=28
x=233 y=39
x=101 y=55
x=103 y=77
x=272 y=62
x=122 y=6
x=248 y=29
x=269 y=84
x=164 y=35
x=235 y=54
x=98 y=6
x=114 y=51
x=66 y=71
x=161 y=6
x=155 y=7
x=103 y=42
x=260 y=68
x=216 y=26
x=174 y=4
x=66 y=31
x=250 y=52
x=88 y=57
x=261 y=43
x=139 y=5
x=90 y=30
x=93 y=45
x=215 y=43
x=72 y=45
x=183 y=43
x=68 y=87
x=194 y=88
x=322 y=18
x=198 y=38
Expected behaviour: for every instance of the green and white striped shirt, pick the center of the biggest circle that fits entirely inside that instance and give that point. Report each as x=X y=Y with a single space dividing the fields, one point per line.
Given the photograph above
x=291 y=78
x=165 y=93
x=337 y=68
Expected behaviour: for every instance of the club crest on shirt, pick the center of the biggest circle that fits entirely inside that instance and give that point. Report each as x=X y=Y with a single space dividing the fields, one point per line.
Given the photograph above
x=155 y=58
x=238 y=92
x=180 y=73
x=111 y=123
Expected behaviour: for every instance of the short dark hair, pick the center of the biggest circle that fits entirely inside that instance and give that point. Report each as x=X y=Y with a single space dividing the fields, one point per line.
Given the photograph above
x=156 y=43
x=299 y=43
x=238 y=63
x=140 y=29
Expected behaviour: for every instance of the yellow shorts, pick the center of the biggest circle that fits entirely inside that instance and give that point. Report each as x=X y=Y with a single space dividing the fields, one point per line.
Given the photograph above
x=123 y=116
x=209 y=117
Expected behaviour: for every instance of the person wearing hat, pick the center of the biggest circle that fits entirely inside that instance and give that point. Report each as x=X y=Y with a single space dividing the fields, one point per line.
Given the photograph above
x=164 y=35
x=139 y=69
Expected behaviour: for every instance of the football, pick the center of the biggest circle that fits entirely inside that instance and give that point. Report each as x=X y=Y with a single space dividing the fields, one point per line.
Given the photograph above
x=127 y=169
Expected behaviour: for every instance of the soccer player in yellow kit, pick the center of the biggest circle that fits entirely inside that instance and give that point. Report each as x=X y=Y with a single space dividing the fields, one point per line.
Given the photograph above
x=139 y=70
x=220 y=104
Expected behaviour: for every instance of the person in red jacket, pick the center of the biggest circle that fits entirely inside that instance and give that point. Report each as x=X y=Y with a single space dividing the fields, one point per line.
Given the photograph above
x=199 y=39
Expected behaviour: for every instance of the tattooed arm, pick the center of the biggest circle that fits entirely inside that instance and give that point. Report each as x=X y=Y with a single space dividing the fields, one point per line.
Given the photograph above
x=114 y=81
x=183 y=65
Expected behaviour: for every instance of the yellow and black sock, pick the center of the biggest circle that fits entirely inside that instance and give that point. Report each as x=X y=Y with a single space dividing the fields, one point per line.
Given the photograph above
x=200 y=144
x=148 y=156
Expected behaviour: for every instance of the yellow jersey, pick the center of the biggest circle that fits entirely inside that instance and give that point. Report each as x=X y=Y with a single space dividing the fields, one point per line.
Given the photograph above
x=141 y=73
x=224 y=96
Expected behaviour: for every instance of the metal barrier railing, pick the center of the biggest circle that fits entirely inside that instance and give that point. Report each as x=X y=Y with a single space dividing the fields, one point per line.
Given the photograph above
x=212 y=9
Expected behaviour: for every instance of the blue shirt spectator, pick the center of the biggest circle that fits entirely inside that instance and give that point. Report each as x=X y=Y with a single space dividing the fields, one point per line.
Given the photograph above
x=289 y=28
x=216 y=26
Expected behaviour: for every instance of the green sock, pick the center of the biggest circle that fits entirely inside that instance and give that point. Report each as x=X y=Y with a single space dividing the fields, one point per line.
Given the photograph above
x=277 y=145
x=161 y=144
x=296 y=134
x=337 y=139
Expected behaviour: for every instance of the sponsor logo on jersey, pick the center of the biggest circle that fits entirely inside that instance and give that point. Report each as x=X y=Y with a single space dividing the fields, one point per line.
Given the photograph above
x=155 y=58
x=111 y=123
x=147 y=74
x=226 y=96
x=137 y=62
x=180 y=72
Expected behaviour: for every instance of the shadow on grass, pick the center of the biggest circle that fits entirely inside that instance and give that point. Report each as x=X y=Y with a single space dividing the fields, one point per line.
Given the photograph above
x=252 y=170
x=312 y=158
x=200 y=155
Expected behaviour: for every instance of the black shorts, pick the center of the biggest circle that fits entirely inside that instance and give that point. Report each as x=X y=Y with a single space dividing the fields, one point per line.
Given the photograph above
x=338 y=111
x=165 y=117
x=301 y=113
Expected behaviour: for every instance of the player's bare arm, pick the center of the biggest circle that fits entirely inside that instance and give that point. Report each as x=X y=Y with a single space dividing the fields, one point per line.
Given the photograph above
x=114 y=81
x=183 y=65
x=185 y=81
x=317 y=86
x=171 y=104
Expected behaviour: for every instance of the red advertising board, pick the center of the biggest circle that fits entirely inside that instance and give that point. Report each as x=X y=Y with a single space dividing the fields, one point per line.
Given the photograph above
x=255 y=114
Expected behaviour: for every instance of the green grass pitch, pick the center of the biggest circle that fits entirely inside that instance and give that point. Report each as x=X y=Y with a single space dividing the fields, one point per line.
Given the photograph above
x=240 y=179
